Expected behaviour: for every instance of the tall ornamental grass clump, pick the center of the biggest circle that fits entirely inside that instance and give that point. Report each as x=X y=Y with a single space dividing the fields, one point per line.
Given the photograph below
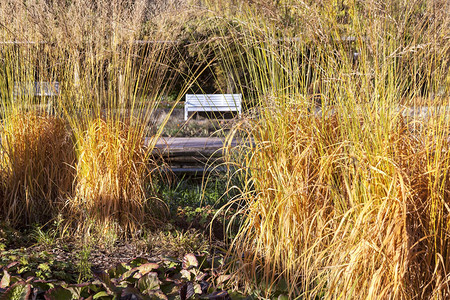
x=114 y=64
x=120 y=83
x=36 y=164
x=346 y=167
x=114 y=178
x=37 y=148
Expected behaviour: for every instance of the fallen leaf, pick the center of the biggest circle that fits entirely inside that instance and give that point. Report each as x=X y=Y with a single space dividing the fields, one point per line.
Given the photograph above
x=189 y=261
x=149 y=282
x=6 y=279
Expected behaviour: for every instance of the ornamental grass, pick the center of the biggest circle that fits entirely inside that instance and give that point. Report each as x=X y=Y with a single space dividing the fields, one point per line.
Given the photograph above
x=113 y=65
x=345 y=169
x=114 y=180
x=36 y=167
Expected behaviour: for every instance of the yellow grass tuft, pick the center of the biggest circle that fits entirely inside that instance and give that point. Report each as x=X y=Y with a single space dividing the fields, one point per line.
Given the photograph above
x=113 y=177
x=329 y=213
x=112 y=59
x=346 y=185
x=36 y=161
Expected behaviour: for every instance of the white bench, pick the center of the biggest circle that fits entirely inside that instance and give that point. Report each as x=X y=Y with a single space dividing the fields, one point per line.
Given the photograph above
x=38 y=89
x=212 y=102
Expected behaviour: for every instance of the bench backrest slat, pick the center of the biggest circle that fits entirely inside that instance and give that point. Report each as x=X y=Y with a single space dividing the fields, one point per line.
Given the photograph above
x=213 y=102
x=231 y=100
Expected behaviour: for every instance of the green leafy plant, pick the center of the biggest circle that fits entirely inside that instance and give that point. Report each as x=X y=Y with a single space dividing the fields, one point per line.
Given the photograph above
x=49 y=236
x=84 y=265
x=194 y=192
x=193 y=277
x=42 y=265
